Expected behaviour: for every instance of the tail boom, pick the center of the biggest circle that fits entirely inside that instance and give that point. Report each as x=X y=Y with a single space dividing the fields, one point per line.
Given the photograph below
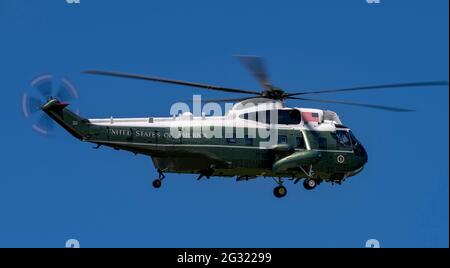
x=73 y=123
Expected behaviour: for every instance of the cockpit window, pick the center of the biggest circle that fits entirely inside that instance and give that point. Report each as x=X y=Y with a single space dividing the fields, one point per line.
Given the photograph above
x=343 y=139
x=285 y=117
x=339 y=140
x=354 y=139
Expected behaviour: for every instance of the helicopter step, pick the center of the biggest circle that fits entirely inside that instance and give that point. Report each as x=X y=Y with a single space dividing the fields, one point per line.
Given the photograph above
x=206 y=173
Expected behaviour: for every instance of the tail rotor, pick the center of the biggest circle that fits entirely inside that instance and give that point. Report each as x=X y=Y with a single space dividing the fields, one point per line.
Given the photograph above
x=42 y=90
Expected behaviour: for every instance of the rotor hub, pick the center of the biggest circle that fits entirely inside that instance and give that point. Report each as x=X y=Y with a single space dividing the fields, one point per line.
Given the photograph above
x=274 y=93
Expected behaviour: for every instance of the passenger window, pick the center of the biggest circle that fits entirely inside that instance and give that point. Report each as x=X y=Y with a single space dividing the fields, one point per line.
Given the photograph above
x=300 y=142
x=249 y=116
x=289 y=117
x=285 y=117
x=233 y=139
x=282 y=139
x=248 y=141
x=267 y=119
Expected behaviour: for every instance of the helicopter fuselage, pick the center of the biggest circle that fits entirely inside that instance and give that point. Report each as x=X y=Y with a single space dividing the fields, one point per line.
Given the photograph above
x=309 y=143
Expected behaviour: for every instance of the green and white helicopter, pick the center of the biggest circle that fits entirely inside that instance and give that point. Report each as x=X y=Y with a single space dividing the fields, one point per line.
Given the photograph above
x=298 y=143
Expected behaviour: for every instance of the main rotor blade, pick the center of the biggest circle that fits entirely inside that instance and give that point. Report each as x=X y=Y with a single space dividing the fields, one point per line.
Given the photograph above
x=400 y=85
x=171 y=81
x=257 y=67
x=374 y=106
x=229 y=100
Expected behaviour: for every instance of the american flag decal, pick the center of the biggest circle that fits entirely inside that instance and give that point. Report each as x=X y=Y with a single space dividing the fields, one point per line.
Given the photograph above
x=310 y=117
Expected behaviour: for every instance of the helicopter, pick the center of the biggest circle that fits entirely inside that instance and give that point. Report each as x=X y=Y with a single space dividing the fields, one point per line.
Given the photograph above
x=307 y=144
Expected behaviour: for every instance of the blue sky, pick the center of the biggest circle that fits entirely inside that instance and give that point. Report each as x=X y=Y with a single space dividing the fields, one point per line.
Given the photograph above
x=53 y=189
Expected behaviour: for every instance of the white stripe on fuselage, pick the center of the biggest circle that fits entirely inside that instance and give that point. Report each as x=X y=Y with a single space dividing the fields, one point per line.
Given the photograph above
x=167 y=122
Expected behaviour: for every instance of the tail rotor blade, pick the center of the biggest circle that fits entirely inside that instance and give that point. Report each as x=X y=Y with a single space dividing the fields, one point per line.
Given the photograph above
x=44 y=85
x=44 y=125
x=30 y=105
x=66 y=91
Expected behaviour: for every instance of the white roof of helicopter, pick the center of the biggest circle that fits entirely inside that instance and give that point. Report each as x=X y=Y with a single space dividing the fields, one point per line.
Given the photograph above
x=327 y=119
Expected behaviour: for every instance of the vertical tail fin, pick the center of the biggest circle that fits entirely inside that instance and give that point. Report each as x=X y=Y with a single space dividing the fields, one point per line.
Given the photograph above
x=73 y=123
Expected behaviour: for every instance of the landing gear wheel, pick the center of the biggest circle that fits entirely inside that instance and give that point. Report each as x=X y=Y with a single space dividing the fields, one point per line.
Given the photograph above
x=156 y=183
x=309 y=184
x=280 y=191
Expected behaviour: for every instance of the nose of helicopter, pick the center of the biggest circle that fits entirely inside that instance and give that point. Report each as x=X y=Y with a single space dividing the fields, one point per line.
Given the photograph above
x=364 y=156
x=361 y=159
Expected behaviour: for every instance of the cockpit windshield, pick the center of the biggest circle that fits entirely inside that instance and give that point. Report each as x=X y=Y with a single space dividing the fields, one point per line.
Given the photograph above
x=343 y=139
x=354 y=139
